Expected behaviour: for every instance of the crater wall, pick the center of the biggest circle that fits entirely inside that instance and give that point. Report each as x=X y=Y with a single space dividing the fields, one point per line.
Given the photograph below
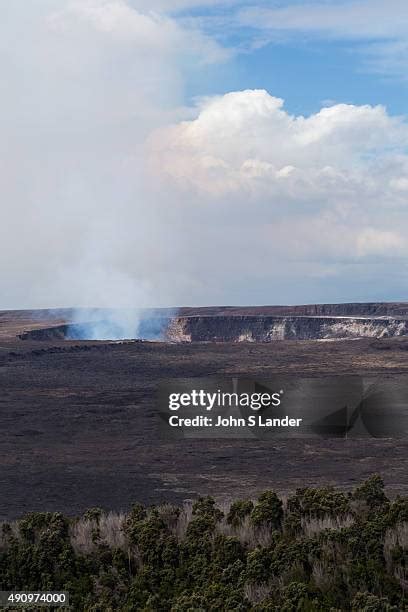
x=272 y=328
x=249 y=328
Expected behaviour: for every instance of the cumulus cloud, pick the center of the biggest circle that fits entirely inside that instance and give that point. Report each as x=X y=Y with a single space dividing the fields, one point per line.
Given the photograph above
x=246 y=140
x=114 y=193
x=326 y=188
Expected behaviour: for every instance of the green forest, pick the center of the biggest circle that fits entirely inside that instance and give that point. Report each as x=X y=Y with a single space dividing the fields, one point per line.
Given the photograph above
x=316 y=549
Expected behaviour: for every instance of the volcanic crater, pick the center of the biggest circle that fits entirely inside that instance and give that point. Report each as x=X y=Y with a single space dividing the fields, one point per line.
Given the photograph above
x=78 y=418
x=267 y=324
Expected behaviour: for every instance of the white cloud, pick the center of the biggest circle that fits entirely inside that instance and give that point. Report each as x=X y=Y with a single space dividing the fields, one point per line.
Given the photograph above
x=147 y=32
x=323 y=188
x=372 y=241
x=347 y=18
x=83 y=83
x=176 y=5
x=246 y=140
x=242 y=202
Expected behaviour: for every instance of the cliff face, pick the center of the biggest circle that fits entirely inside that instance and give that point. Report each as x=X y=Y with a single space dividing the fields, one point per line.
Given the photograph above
x=236 y=324
x=269 y=329
x=57 y=332
x=252 y=329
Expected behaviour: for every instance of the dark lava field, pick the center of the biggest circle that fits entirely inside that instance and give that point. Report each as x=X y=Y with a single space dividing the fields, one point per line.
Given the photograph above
x=79 y=426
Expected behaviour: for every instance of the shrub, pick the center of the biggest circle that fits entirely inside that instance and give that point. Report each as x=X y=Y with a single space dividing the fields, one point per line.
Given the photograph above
x=268 y=511
x=366 y=602
x=238 y=511
x=371 y=492
x=165 y=559
x=205 y=506
x=320 y=502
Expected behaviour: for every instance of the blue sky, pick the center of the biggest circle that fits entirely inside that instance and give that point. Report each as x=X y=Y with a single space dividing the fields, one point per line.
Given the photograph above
x=308 y=66
x=307 y=75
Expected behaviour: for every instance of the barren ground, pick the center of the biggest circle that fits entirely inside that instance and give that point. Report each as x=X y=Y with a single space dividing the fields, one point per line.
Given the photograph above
x=78 y=424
